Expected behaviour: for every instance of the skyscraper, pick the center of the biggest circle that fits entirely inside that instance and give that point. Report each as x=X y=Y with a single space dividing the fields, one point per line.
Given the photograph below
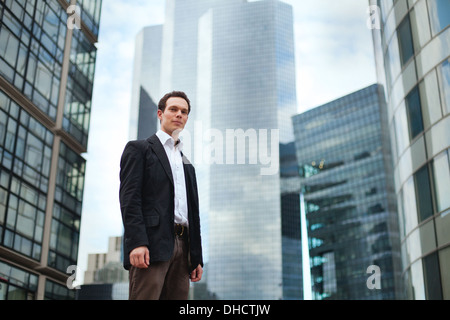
x=246 y=81
x=47 y=64
x=343 y=152
x=146 y=82
x=235 y=60
x=412 y=50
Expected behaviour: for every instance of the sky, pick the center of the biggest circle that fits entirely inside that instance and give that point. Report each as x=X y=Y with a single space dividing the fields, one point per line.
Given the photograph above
x=334 y=57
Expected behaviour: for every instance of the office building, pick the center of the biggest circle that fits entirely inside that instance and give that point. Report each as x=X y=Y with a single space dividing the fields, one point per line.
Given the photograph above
x=343 y=152
x=291 y=236
x=47 y=64
x=105 y=278
x=235 y=60
x=106 y=267
x=145 y=85
x=103 y=291
x=412 y=50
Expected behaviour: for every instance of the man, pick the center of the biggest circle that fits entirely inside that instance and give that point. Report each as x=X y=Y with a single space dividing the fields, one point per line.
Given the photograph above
x=160 y=211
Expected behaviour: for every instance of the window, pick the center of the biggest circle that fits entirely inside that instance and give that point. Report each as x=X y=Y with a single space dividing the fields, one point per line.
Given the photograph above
x=25 y=152
x=17 y=284
x=55 y=291
x=423 y=193
x=90 y=14
x=439 y=15
x=9 y=46
x=432 y=277
x=429 y=94
x=441 y=176
x=444 y=262
x=405 y=40
x=413 y=107
x=79 y=88
x=32 y=39
x=66 y=216
x=401 y=128
x=444 y=77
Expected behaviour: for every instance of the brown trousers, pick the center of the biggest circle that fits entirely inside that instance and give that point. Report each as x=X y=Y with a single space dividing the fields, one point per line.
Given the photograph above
x=168 y=280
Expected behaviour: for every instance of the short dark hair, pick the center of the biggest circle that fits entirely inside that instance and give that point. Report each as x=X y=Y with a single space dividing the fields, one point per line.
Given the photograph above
x=174 y=94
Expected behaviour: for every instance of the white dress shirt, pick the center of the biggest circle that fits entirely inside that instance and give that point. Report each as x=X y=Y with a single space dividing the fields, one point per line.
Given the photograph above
x=176 y=164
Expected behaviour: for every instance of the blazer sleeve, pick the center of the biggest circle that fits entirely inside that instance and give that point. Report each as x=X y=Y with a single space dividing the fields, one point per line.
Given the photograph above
x=132 y=165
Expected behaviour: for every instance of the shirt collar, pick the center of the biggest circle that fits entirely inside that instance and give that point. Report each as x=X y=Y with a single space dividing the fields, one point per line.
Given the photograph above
x=165 y=138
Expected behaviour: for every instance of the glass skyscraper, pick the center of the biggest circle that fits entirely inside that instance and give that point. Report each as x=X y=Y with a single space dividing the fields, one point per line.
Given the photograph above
x=412 y=51
x=47 y=64
x=235 y=60
x=145 y=86
x=343 y=152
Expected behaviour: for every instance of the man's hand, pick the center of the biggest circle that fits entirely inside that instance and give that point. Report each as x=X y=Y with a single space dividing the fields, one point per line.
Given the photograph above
x=140 y=257
x=196 y=275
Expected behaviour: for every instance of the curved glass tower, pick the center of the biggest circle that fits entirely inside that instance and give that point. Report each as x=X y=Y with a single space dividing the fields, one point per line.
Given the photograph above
x=412 y=49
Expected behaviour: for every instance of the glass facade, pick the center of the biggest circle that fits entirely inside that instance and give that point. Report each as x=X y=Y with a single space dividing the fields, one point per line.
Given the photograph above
x=291 y=236
x=145 y=89
x=46 y=79
x=235 y=60
x=344 y=158
x=26 y=148
x=412 y=53
x=65 y=228
x=33 y=36
x=248 y=59
x=79 y=87
x=16 y=284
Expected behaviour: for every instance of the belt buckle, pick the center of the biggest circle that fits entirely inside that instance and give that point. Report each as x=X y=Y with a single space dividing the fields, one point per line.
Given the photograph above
x=180 y=234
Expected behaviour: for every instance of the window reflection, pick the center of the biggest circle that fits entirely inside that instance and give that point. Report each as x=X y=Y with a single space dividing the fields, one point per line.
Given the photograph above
x=28 y=156
x=340 y=157
x=423 y=192
x=441 y=175
x=432 y=277
x=439 y=15
x=431 y=104
x=20 y=47
x=65 y=228
x=17 y=284
x=90 y=14
x=79 y=88
x=401 y=129
x=445 y=84
x=405 y=40
x=414 y=113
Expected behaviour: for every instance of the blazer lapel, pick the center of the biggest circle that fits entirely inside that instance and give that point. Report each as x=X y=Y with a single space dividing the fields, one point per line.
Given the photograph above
x=158 y=148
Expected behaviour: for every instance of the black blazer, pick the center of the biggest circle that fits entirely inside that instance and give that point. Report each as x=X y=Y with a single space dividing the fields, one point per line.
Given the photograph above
x=147 y=202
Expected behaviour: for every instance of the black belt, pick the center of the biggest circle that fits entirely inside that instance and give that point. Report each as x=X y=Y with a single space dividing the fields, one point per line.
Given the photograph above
x=181 y=230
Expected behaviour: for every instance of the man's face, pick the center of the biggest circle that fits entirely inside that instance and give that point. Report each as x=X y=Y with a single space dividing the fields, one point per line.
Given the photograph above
x=175 y=116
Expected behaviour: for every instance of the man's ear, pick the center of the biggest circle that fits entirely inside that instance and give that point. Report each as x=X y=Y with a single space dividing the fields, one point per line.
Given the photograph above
x=159 y=114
